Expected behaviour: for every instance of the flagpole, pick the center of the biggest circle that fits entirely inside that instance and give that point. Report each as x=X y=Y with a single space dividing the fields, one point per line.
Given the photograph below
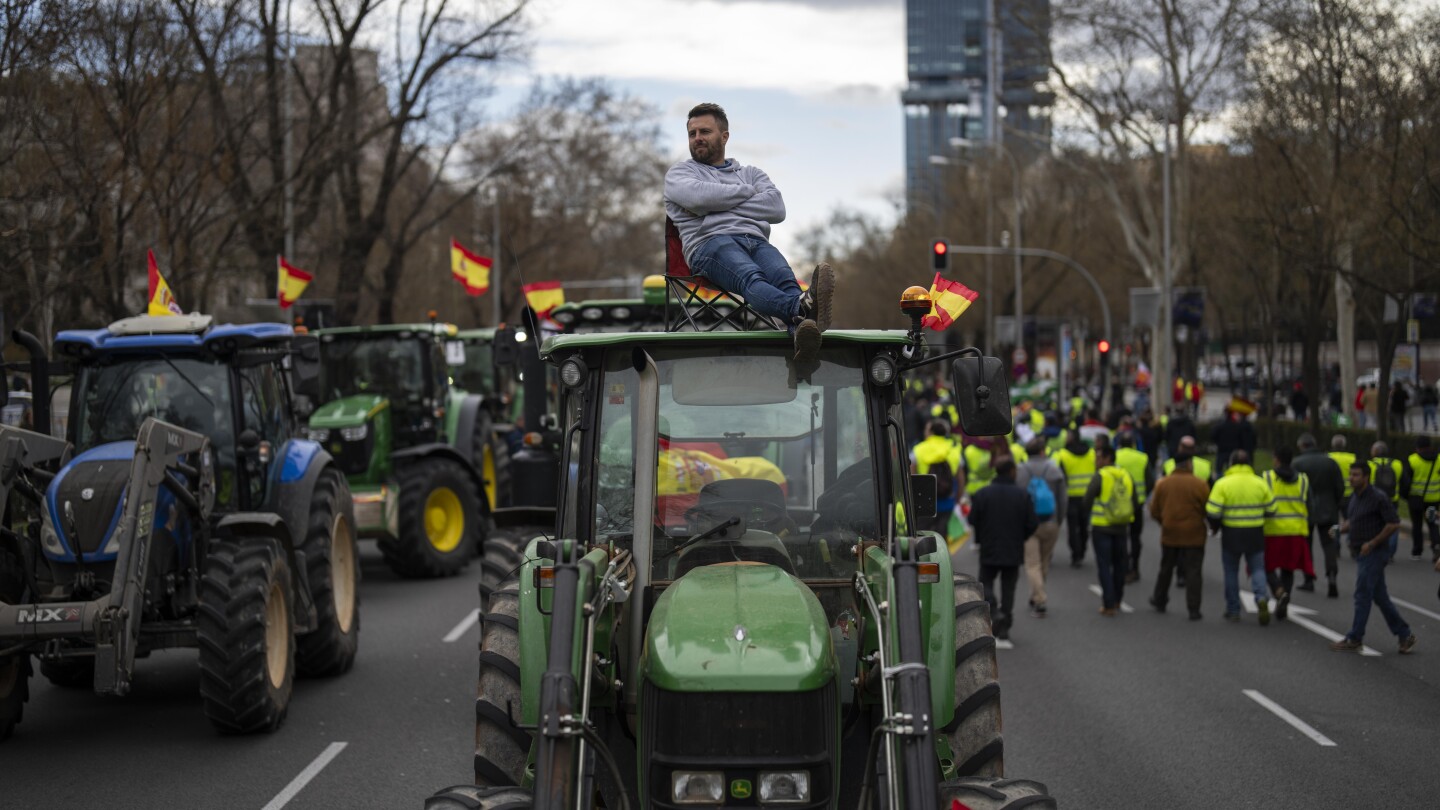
x=495 y=282
x=289 y=135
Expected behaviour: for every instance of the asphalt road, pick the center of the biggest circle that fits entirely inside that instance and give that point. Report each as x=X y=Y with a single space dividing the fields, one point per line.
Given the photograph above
x=1143 y=710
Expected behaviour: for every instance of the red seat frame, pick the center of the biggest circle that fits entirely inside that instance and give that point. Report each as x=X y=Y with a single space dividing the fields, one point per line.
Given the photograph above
x=703 y=307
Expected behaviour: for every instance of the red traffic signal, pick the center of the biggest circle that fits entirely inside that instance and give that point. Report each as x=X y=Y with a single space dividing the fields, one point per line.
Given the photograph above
x=1103 y=346
x=940 y=254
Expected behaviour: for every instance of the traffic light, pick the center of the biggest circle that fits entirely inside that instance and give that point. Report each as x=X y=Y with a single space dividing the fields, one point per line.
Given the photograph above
x=940 y=255
x=1103 y=346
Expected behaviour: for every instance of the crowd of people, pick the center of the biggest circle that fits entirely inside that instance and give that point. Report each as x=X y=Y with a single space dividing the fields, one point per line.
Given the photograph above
x=1063 y=467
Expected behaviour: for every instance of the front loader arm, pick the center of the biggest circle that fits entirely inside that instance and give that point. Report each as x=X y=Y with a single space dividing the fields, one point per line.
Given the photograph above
x=22 y=452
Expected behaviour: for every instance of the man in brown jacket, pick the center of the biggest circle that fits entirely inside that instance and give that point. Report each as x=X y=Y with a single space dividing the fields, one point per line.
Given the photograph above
x=1178 y=505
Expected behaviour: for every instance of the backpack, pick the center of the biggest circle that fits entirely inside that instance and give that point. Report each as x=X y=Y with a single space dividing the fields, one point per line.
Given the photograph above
x=1044 y=498
x=1382 y=477
x=944 y=479
x=1120 y=508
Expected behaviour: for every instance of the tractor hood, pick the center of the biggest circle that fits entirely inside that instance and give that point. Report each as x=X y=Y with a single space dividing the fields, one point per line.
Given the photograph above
x=738 y=627
x=349 y=411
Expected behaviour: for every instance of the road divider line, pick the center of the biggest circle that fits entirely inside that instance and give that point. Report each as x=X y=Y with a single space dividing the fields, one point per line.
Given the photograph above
x=1280 y=712
x=1004 y=644
x=311 y=771
x=463 y=627
x=1325 y=632
x=1416 y=608
x=1100 y=592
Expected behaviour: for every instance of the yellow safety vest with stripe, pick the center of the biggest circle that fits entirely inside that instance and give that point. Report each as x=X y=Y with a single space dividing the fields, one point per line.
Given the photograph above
x=1292 y=506
x=1394 y=465
x=1078 y=469
x=1134 y=462
x=1344 y=460
x=934 y=450
x=1116 y=505
x=978 y=471
x=1198 y=465
x=1425 y=479
x=1240 y=499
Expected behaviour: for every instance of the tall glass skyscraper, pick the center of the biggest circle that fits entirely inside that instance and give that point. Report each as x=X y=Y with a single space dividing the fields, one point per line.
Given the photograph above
x=956 y=52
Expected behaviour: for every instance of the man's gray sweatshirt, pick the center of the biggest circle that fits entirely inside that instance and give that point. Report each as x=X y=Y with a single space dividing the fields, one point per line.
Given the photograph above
x=705 y=201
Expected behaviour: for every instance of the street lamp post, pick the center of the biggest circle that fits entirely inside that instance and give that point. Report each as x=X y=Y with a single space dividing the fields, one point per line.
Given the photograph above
x=1019 y=250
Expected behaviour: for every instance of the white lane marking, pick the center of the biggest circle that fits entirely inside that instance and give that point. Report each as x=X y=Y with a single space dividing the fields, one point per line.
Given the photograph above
x=1280 y=712
x=1325 y=632
x=311 y=771
x=463 y=627
x=1416 y=608
x=1004 y=644
x=1100 y=592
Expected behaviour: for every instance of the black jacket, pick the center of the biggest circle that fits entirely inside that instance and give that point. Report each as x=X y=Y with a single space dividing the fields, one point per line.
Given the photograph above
x=1003 y=517
x=1327 y=486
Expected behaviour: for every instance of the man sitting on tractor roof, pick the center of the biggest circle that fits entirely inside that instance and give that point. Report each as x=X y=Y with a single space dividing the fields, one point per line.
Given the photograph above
x=724 y=211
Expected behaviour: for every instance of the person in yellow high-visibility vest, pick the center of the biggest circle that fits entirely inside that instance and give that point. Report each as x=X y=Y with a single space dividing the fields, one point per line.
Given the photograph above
x=1077 y=461
x=1132 y=461
x=979 y=465
x=1387 y=481
x=1238 y=505
x=939 y=455
x=1200 y=466
x=1114 y=503
x=1343 y=459
x=1287 y=529
x=1421 y=487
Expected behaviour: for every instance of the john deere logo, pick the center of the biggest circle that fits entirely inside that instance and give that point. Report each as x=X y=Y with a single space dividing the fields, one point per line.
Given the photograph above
x=740 y=788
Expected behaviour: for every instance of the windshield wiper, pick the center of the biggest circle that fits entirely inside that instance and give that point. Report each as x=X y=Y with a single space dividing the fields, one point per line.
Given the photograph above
x=705 y=535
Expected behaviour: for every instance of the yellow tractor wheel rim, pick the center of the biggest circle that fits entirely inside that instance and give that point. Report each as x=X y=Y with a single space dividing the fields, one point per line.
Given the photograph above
x=444 y=519
x=487 y=469
x=342 y=572
x=277 y=635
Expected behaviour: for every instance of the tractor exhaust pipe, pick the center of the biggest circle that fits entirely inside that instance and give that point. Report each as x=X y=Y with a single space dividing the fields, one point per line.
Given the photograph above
x=39 y=380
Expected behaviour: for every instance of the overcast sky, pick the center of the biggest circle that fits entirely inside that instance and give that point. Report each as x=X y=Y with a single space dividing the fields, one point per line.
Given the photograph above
x=811 y=87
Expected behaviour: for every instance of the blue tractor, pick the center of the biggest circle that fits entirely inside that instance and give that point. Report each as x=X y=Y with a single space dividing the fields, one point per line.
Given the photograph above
x=182 y=510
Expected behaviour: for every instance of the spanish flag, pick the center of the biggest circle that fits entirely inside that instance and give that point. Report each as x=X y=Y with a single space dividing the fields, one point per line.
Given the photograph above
x=470 y=269
x=162 y=302
x=543 y=296
x=1242 y=406
x=948 y=300
x=292 y=283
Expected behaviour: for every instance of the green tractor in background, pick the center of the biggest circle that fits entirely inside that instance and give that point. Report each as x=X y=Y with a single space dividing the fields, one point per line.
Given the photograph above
x=421 y=453
x=737 y=608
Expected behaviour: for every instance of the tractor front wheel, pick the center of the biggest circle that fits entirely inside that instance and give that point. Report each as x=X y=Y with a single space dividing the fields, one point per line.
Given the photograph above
x=440 y=519
x=247 y=635
x=70 y=673
x=334 y=575
x=501 y=747
x=979 y=793
x=974 y=732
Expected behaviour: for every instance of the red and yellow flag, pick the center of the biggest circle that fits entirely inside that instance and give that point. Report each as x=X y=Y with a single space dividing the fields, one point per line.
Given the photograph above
x=162 y=302
x=292 y=283
x=947 y=299
x=543 y=296
x=470 y=269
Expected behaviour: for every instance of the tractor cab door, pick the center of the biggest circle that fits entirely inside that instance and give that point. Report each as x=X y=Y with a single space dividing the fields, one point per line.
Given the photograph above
x=265 y=427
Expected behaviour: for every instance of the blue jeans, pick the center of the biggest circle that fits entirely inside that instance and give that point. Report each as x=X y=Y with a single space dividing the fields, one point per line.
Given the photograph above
x=1111 y=561
x=1370 y=587
x=1255 y=560
x=752 y=268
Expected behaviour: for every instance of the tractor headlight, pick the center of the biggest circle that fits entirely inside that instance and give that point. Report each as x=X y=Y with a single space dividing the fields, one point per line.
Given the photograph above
x=50 y=540
x=355 y=434
x=592 y=313
x=321 y=435
x=882 y=370
x=784 y=787
x=697 y=787
x=572 y=372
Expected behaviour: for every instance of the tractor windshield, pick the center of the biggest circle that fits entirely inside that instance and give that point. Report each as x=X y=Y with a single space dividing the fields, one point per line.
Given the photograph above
x=753 y=466
x=114 y=398
x=373 y=363
x=477 y=373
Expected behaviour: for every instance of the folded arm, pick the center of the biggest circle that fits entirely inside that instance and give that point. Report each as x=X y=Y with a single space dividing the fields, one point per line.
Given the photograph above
x=687 y=189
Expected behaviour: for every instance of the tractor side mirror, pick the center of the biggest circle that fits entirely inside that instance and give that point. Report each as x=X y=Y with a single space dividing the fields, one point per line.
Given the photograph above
x=504 y=347
x=982 y=393
x=305 y=366
x=923 y=493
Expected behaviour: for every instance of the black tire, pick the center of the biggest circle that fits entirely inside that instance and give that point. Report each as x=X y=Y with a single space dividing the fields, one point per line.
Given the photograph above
x=426 y=547
x=247 y=635
x=980 y=793
x=974 y=732
x=333 y=559
x=15 y=669
x=473 y=797
x=494 y=470
x=70 y=673
x=500 y=748
x=504 y=551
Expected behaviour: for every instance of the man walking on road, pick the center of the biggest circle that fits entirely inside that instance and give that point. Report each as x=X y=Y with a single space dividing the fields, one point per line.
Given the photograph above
x=1003 y=517
x=1036 y=473
x=1077 y=460
x=1420 y=485
x=1238 y=504
x=1113 y=503
x=1138 y=465
x=1327 y=489
x=1200 y=466
x=1286 y=528
x=1343 y=458
x=1371 y=521
x=1178 y=505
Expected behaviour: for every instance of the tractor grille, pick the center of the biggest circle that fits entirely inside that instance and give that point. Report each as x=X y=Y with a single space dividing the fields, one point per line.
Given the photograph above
x=741 y=733
x=106 y=482
x=352 y=457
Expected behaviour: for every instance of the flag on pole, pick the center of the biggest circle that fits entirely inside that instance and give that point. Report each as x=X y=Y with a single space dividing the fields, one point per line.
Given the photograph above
x=470 y=269
x=162 y=302
x=292 y=283
x=948 y=300
x=543 y=296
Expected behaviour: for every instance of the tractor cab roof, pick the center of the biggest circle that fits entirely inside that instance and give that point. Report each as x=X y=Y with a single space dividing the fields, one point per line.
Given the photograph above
x=565 y=344
x=438 y=329
x=147 y=333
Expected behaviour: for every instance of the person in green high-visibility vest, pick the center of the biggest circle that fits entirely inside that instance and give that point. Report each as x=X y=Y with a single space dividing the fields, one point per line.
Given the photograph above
x=1113 y=503
x=1287 y=529
x=1238 y=505
x=1421 y=487
x=1137 y=464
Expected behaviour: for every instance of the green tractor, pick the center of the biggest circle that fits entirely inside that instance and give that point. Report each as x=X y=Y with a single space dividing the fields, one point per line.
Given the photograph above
x=421 y=454
x=735 y=609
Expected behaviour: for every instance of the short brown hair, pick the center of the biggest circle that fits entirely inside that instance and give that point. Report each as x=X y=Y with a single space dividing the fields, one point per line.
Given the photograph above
x=710 y=109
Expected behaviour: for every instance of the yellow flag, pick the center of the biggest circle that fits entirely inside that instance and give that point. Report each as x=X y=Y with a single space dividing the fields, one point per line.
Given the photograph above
x=470 y=269
x=161 y=300
x=948 y=300
x=293 y=282
x=543 y=296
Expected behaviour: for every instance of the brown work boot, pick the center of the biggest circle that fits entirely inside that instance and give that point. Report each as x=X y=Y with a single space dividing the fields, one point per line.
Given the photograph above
x=807 y=343
x=817 y=303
